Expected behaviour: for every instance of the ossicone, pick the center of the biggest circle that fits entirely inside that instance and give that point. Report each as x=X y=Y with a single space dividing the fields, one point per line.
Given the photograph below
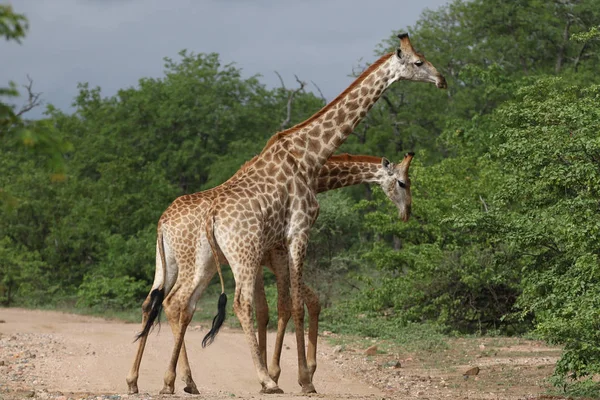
x=407 y=159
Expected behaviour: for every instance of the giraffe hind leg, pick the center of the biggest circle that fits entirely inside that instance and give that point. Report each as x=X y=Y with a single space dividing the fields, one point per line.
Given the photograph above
x=243 y=308
x=262 y=314
x=186 y=372
x=150 y=311
x=179 y=317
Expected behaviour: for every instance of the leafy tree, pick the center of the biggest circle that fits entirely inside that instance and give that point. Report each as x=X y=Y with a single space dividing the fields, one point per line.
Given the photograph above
x=13 y=26
x=551 y=152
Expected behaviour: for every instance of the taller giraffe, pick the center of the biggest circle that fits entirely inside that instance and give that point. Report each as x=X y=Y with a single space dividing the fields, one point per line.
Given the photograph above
x=274 y=199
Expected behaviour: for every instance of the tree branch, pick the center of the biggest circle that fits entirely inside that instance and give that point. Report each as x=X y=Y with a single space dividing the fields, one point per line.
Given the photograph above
x=33 y=99
x=291 y=95
x=484 y=204
x=320 y=92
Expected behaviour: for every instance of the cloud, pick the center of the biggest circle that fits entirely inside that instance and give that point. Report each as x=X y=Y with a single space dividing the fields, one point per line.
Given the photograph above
x=112 y=44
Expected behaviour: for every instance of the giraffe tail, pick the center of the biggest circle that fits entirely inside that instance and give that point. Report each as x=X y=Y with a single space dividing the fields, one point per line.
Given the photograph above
x=156 y=296
x=221 y=310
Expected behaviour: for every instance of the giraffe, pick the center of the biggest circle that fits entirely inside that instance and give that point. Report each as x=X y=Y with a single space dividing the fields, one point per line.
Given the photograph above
x=272 y=201
x=339 y=171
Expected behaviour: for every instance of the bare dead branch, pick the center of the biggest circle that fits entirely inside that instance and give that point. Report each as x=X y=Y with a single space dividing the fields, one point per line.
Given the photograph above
x=320 y=92
x=484 y=204
x=291 y=95
x=33 y=99
x=391 y=105
x=280 y=80
x=358 y=69
x=579 y=56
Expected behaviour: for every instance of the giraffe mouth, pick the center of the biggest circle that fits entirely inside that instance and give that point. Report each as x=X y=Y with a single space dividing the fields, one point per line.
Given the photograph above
x=405 y=213
x=440 y=82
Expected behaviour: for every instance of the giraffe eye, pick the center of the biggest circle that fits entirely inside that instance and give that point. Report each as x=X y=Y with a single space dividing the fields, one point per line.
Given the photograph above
x=401 y=184
x=418 y=63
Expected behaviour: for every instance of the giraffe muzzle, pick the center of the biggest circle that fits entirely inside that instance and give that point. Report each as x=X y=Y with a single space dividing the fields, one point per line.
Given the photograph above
x=440 y=82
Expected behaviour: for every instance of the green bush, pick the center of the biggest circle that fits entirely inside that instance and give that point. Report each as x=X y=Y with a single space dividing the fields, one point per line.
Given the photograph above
x=104 y=293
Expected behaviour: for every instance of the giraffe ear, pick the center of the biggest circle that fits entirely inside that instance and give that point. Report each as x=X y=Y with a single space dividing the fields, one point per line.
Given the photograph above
x=405 y=45
x=387 y=165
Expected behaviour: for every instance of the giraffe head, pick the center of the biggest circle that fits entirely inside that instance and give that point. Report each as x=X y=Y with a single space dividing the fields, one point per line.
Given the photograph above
x=413 y=66
x=396 y=184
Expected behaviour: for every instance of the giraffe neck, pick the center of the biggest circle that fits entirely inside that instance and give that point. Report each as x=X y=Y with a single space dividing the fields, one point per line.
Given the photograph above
x=346 y=170
x=313 y=141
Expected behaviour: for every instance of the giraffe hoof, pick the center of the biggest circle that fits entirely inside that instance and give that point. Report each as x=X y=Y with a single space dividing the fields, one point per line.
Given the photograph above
x=309 y=388
x=191 y=389
x=167 y=390
x=132 y=385
x=275 y=376
x=274 y=390
x=133 y=390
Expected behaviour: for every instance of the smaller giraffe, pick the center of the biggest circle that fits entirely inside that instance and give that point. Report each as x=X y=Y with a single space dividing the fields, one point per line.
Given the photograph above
x=339 y=171
x=186 y=211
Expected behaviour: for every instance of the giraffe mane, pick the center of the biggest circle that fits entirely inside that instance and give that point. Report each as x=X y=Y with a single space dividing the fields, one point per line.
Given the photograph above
x=245 y=166
x=323 y=110
x=352 y=158
x=345 y=157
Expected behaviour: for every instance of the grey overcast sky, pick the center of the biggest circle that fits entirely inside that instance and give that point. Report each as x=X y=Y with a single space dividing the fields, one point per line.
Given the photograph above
x=113 y=43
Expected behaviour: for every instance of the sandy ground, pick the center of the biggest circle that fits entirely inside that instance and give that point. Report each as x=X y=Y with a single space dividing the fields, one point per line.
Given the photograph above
x=47 y=354
x=56 y=356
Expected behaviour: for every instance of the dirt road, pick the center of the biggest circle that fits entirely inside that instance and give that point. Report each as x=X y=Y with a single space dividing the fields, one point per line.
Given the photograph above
x=47 y=354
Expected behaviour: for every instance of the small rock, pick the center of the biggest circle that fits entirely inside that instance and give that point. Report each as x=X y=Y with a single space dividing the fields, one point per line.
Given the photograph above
x=471 y=372
x=2 y=363
x=337 y=349
x=2 y=321
x=29 y=393
x=371 y=351
x=482 y=346
x=397 y=365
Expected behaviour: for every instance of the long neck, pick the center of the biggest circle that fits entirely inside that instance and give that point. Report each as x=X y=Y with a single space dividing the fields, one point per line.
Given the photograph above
x=346 y=170
x=313 y=141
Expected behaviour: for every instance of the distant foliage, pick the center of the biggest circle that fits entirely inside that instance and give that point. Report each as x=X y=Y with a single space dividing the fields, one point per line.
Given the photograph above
x=92 y=234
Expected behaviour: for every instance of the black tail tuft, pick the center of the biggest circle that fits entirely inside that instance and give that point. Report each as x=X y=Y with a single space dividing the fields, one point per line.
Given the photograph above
x=156 y=298
x=217 y=321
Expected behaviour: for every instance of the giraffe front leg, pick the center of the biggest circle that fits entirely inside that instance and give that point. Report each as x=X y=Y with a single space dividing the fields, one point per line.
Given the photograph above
x=297 y=251
x=279 y=265
x=242 y=306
